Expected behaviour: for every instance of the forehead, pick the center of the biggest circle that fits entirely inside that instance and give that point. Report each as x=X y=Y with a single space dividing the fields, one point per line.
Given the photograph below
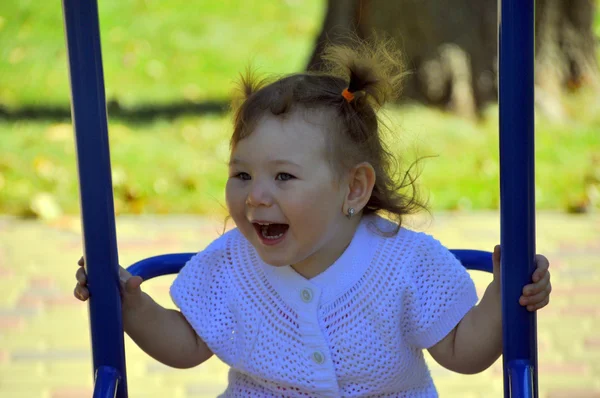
x=300 y=134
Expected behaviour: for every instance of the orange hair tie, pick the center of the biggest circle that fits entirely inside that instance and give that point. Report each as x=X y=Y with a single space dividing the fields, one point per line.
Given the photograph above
x=348 y=95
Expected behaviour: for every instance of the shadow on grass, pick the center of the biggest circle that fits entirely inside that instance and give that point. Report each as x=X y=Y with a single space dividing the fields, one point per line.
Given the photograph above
x=143 y=113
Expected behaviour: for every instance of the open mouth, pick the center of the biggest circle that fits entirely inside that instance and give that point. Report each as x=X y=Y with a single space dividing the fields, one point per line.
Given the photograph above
x=270 y=233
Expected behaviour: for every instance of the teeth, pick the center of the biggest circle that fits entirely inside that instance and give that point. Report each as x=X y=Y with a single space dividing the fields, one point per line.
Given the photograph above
x=264 y=234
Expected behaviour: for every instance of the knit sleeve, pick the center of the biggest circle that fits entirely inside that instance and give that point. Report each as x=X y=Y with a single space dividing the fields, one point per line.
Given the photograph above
x=201 y=292
x=439 y=294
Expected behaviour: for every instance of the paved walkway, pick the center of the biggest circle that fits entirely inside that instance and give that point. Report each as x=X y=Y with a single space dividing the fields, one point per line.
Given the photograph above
x=44 y=337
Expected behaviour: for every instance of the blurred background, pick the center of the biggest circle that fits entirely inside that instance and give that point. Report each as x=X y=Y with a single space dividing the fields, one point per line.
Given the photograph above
x=170 y=68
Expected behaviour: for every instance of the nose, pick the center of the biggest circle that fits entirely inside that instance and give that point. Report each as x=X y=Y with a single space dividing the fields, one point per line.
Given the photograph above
x=259 y=195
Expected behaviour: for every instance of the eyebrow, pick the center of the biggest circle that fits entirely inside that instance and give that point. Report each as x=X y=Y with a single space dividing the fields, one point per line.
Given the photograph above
x=277 y=162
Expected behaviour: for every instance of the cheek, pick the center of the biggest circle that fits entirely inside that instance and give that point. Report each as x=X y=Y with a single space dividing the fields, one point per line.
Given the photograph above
x=235 y=198
x=236 y=204
x=314 y=204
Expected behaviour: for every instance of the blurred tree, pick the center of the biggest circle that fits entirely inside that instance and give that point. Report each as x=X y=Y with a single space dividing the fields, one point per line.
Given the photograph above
x=450 y=47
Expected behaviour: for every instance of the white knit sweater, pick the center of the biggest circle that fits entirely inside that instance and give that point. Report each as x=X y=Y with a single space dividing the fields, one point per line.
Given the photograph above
x=356 y=330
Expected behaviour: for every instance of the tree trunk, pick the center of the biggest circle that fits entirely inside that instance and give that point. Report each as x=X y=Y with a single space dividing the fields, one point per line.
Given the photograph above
x=451 y=47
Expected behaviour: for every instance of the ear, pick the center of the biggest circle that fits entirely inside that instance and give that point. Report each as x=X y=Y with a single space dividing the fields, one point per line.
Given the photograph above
x=361 y=181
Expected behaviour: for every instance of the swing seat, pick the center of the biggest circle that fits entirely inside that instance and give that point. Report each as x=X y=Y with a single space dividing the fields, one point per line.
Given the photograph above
x=169 y=264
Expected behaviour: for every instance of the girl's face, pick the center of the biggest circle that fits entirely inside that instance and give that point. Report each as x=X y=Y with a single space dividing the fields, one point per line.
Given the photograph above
x=283 y=194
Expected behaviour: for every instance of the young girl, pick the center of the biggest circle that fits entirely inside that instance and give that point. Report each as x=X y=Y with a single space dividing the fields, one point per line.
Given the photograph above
x=315 y=293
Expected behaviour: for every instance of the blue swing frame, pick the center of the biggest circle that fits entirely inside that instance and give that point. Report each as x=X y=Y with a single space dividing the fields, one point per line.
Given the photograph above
x=517 y=205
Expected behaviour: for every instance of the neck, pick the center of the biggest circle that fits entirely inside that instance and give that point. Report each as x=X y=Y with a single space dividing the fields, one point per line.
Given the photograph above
x=324 y=257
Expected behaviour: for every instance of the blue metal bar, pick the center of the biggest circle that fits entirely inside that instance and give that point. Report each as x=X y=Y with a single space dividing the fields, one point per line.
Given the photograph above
x=520 y=379
x=88 y=109
x=169 y=264
x=474 y=259
x=517 y=195
x=107 y=382
x=166 y=264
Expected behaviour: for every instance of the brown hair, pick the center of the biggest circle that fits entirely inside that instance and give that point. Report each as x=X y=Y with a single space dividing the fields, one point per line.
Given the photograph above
x=372 y=72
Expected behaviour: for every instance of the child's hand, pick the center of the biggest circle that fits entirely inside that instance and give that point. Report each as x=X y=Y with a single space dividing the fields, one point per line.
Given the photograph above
x=130 y=285
x=537 y=294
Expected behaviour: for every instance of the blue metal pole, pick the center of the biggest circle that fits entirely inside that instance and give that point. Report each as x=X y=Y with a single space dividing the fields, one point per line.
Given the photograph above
x=88 y=109
x=517 y=195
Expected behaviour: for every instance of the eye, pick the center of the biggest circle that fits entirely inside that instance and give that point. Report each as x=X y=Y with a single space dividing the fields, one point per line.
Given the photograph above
x=284 y=177
x=242 y=176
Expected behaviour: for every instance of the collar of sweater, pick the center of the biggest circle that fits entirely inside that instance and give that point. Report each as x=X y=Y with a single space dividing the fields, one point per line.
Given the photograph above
x=337 y=278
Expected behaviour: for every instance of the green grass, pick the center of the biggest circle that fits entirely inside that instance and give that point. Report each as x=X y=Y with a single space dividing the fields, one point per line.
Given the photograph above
x=464 y=175
x=157 y=168
x=159 y=52
x=180 y=166
x=155 y=50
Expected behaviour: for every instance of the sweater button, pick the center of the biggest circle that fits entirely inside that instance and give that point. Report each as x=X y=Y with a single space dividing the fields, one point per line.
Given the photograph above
x=306 y=295
x=318 y=357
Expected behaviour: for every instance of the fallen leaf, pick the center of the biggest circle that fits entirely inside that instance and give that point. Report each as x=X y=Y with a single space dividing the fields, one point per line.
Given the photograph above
x=44 y=206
